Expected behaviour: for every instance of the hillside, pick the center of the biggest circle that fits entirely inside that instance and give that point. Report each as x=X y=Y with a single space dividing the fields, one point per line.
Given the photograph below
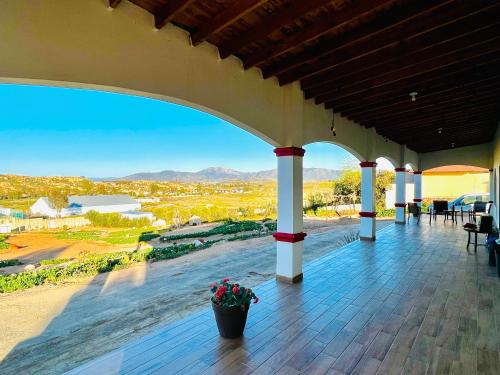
x=217 y=174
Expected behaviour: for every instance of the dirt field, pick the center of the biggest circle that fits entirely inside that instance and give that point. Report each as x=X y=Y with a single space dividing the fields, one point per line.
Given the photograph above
x=51 y=329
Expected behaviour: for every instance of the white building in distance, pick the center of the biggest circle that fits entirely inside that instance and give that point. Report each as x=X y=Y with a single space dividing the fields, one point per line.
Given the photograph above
x=81 y=204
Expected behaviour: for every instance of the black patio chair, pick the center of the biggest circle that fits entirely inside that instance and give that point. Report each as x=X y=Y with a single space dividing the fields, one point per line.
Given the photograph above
x=485 y=227
x=415 y=211
x=479 y=209
x=438 y=208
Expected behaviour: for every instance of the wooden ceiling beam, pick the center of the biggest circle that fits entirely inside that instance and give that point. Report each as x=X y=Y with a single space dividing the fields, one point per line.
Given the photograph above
x=114 y=3
x=232 y=13
x=445 y=36
x=413 y=61
x=399 y=15
x=426 y=21
x=468 y=72
x=168 y=12
x=486 y=108
x=329 y=23
x=439 y=96
x=426 y=70
x=409 y=110
x=268 y=25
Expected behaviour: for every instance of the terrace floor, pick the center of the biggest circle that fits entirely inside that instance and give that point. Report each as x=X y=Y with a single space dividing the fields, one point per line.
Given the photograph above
x=414 y=301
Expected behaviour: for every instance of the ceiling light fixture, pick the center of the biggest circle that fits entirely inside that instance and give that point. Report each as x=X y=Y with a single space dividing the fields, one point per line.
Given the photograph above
x=440 y=130
x=413 y=96
x=332 y=128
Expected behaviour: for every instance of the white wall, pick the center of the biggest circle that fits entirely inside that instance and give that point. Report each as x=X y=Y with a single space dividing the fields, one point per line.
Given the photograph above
x=390 y=195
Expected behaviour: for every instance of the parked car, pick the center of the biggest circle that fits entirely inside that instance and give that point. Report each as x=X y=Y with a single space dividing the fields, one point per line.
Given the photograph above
x=466 y=201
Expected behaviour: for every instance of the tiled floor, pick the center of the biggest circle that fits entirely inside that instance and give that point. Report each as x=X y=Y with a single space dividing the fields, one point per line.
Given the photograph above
x=414 y=301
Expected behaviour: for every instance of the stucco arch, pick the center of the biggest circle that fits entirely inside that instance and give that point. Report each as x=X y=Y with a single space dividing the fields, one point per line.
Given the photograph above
x=391 y=160
x=477 y=156
x=343 y=146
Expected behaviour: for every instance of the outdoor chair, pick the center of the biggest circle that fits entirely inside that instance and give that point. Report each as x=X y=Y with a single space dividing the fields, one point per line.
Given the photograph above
x=479 y=209
x=485 y=227
x=438 y=208
x=414 y=209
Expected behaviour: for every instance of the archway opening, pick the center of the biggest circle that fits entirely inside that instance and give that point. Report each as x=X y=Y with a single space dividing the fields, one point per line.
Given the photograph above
x=385 y=190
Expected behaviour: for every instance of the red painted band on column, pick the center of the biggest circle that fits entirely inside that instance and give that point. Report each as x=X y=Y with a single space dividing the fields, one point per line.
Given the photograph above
x=367 y=214
x=367 y=164
x=399 y=205
x=416 y=200
x=289 y=151
x=417 y=172
x=289 y=237
x=400 y=169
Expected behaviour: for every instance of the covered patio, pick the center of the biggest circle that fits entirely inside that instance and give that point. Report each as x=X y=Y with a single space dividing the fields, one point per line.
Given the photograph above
x=414 y=301
x=413 y=81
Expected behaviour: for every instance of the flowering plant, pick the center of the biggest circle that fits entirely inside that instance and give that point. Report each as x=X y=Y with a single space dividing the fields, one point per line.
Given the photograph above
x=227 y=294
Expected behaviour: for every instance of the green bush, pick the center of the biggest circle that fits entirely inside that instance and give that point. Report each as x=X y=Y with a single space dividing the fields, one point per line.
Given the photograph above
x=115 y=220
x=148 y=236
x=92 y=264
x=391 y=212
x=47 y=262
x=3 y=245
x=9 y=262
x=229 y=227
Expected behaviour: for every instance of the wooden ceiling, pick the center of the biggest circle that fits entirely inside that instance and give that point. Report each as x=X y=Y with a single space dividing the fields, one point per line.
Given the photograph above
x=363 y=58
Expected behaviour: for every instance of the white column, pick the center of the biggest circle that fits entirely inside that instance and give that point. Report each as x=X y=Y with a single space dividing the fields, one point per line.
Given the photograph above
x=400 y=195
x=289 y=236
x=492 y=186
x=417 y=180
x=368 y=223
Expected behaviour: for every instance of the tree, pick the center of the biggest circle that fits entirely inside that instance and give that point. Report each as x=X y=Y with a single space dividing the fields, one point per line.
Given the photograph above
x=348 y=184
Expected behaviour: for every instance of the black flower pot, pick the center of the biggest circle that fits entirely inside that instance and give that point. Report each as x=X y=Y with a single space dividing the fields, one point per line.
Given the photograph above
x=231 y=320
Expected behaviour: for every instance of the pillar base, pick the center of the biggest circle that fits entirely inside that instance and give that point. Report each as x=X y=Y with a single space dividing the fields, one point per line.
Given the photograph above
x=290 y=280
x=363 y=238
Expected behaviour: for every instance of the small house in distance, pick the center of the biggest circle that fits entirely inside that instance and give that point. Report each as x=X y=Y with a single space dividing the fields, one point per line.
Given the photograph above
x=81 y=204
x=43 y=207
x=195 y=220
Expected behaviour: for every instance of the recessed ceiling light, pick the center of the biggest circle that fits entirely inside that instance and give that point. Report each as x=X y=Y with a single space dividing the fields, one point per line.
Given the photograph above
x=413 y=96
x=440 y=130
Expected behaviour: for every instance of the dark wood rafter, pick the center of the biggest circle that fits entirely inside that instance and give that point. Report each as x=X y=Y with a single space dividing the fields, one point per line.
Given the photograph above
x=383 y=26
x=333 y=21
x=423 y=71
x=231 y=14
x=409 y=52
x=114 y=3
x=448 y=12
x=269 y=25
x=404 y=88
x=169 y=11
x=362 y=58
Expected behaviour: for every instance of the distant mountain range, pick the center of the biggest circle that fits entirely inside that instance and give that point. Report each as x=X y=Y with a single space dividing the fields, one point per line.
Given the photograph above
x=215 y=174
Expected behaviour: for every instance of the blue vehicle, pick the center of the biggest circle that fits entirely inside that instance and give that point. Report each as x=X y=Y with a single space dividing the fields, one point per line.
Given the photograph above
x=466 y=201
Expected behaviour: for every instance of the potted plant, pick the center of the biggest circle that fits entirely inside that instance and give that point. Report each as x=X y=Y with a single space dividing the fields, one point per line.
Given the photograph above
x=231 y=302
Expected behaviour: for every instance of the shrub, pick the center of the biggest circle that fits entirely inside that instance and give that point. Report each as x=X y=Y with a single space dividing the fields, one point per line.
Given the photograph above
x=47 y=262
x=90 y=265
x=115 y=220
x=229 y=227
x=148 y=236
x=3 y=245
x=348 y=238
x=9 y=262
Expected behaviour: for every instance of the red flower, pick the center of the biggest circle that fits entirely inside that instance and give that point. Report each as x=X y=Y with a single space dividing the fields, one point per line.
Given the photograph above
x=225 y=280
x=256 y=300
x=236 y=290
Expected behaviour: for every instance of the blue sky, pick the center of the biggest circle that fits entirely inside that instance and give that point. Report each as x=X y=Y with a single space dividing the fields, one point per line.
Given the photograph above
x=71 y=132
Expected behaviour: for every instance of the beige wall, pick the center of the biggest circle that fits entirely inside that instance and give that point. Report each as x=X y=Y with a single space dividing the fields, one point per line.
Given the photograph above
x=85 y=44
x=477 y=156
x=453 y=185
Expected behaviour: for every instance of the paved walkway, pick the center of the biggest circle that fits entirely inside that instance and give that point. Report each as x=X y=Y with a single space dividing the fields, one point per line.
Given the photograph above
x=49 y=330
x=414 y=301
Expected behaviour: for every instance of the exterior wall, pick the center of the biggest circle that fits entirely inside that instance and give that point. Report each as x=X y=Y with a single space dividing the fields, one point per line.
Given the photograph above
x=477 y=156
x=453 y=185
x=390 y=195
x=120 y=51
